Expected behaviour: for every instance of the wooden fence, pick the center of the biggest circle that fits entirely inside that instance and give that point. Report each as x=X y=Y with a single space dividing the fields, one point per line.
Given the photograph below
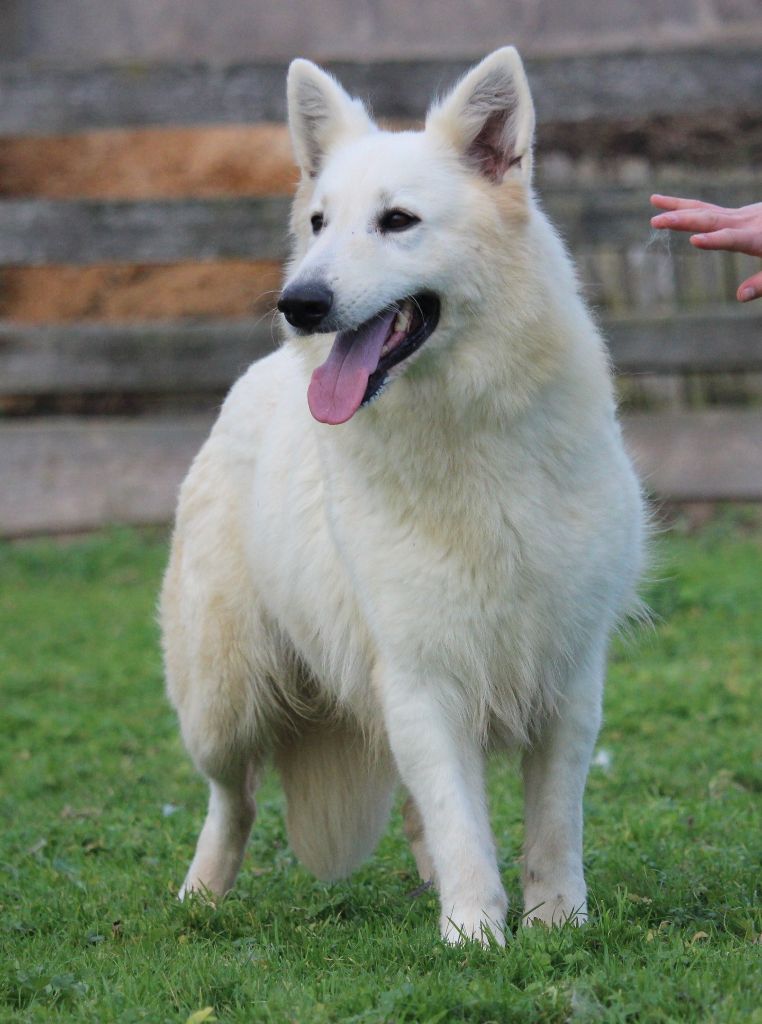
x=65 y=464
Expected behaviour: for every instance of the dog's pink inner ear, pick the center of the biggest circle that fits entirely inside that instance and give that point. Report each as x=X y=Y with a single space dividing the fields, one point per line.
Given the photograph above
x=490 y=151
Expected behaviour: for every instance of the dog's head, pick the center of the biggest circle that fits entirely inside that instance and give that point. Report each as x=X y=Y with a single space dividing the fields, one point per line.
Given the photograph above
x=398 y=235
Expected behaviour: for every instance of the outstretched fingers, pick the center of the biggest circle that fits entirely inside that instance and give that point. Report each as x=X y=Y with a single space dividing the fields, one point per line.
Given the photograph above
x=714 y=227
x=750 y=289
x=698 y=218
x=731 y=239
x=677 y=203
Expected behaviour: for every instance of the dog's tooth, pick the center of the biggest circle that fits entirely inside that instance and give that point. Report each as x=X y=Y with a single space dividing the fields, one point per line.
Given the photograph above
x=404 y=317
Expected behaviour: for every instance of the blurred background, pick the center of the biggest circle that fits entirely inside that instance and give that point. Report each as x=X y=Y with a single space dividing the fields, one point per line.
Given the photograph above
x=145 y=176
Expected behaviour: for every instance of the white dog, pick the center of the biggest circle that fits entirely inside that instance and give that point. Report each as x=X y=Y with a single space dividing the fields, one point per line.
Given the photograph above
x=414 y=526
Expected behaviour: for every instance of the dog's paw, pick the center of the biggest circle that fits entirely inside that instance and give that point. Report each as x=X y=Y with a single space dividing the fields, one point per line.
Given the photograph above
x=195 y=888
x=474 y=925
x=555 y=908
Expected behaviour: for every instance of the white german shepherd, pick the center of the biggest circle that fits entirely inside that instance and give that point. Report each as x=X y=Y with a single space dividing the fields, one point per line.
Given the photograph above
x=414 y=526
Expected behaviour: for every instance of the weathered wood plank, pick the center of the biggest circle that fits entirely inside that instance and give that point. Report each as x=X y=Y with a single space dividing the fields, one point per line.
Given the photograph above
x=618 y=216
x=38 y=99
x=146 y=358
x=720 y=340
x=713 y=455
x=61 y=475
x=39 y=231
x=256 y=159
x=173 y=357
x=123 y=292
x=150 y=163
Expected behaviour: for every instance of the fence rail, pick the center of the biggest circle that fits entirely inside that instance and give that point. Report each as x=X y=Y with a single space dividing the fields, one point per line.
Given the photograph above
x=182 y=357
x=40 y=231
x=665 y=310
x=71 y=474
x=43 y=100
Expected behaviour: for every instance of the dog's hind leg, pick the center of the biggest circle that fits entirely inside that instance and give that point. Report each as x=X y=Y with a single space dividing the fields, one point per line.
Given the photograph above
x=212 y=685
x=215 y=642
x=339 y=790
x=414 y=831
x=222 y=842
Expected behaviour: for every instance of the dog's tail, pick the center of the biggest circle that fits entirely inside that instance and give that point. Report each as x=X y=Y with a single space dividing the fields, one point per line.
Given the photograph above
x=339 y=792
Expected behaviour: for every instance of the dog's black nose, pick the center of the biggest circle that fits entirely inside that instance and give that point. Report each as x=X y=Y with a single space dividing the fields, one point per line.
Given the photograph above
x=305 y=305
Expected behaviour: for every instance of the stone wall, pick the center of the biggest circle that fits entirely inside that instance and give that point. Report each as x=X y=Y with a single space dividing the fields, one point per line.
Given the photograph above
x=230 y=30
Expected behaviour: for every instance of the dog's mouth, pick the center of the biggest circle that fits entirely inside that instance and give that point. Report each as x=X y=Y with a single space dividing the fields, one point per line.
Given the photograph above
x=359 y=362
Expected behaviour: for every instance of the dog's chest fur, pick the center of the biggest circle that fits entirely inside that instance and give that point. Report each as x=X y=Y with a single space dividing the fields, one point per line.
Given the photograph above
x=430 y=550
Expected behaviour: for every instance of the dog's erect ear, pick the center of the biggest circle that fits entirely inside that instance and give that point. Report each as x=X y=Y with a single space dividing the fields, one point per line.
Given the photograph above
x=489 y=116
x=320 y=114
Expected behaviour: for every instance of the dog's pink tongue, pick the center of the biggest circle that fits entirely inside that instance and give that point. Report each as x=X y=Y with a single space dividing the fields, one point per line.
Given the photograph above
x=338 y=386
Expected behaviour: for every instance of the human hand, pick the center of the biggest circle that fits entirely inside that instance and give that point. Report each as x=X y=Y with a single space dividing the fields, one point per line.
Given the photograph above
x=717 y=228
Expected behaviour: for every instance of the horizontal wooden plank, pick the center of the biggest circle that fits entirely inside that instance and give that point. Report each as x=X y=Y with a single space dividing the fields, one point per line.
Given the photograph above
x=617 y=216
x=175 y=357
x=150 y=163
x=122 y=292
x=39 y=231
x=39 y=99
x=44 y=231
x=147 y=358
x=724 y=340
x=256 y=159
x=61 y=475
x=712 y=455
x=634 y=282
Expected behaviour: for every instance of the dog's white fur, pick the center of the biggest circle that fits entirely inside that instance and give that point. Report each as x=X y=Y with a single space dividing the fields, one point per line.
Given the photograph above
x=386 y=599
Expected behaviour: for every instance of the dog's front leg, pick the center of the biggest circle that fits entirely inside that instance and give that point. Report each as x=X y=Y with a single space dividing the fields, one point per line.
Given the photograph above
x=442 y=765
x=555 y=770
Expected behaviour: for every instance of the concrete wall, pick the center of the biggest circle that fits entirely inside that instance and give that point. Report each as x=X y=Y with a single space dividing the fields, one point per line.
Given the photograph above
x=229 y=30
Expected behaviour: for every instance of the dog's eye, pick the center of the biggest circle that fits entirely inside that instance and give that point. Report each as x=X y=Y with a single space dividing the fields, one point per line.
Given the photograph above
x=397 y=220
x=316 y=220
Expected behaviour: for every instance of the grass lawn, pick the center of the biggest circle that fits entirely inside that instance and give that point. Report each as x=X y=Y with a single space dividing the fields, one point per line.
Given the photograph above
x=100 y=809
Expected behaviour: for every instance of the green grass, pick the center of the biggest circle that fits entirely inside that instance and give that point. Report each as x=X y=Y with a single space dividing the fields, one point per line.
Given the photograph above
x=100 y=810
